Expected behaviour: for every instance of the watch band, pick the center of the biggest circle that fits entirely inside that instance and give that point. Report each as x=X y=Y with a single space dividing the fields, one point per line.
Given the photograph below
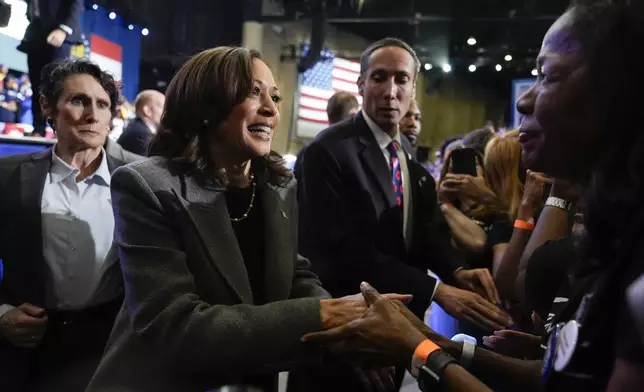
x=422 y=352
x=431 y=374
x=559 y=203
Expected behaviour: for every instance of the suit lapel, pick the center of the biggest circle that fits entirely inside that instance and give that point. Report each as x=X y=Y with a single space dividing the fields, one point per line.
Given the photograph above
x=33 y=174
x=374 y=159
x=280 y=251
x=113 y=163
x=210 y=217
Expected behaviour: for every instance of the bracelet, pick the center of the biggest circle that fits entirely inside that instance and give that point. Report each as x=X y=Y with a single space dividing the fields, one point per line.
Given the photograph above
x=422 y=352
x=524 y=225
x=432 y=373
x=559 y=203
x=467 y=354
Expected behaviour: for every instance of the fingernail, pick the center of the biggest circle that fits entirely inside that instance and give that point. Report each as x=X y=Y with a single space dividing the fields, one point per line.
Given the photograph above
x=364 y=285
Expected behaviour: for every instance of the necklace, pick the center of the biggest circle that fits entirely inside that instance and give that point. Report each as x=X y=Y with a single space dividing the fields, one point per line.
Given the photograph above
x=250 y=206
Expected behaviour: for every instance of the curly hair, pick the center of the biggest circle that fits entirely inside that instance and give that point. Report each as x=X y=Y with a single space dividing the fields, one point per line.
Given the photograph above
x=199 y=98
x=611 y=33
x=54 y=75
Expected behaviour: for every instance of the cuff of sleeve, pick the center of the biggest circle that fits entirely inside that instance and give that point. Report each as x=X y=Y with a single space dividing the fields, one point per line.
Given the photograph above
x=66 y=29
x=5 y=308
x=435 y=288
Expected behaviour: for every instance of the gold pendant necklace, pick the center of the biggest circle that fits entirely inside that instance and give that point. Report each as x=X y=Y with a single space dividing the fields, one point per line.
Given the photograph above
x=250 y=206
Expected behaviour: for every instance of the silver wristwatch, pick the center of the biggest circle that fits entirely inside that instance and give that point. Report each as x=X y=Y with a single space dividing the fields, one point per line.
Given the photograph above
x=559 y=203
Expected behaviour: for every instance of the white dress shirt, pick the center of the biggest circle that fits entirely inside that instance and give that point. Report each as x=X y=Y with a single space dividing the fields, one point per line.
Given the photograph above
x=77 y=232
x=383 y=140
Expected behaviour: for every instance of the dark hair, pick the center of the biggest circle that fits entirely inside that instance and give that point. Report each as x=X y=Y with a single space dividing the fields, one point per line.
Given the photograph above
x=478 y=139
x=385 y=43
x=54 y=75
x=199 y=98
x=446 y=144
x=339 y=106
x=611 y=33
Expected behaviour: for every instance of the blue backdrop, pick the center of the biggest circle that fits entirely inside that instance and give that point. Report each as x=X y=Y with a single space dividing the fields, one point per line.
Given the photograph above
x=116 y=30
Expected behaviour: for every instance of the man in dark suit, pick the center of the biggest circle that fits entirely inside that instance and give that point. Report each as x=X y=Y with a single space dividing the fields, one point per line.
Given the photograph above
x=137 y=135
x=370 y=213
x=410 y=124
x=62 y=284
x=54 y=26
x=340 y=106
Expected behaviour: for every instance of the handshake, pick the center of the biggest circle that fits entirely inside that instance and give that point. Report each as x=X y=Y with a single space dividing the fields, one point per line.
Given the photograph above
x=370 y=331
x=371 y=325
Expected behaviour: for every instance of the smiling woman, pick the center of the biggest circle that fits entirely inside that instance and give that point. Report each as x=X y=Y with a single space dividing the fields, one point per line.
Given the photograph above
x=206 y=229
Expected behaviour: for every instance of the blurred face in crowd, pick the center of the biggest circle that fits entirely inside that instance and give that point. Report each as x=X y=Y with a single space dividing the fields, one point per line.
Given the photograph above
x=81 y=117
x=387 y=86
x=12 y=84
x=410 y=124
x=248 y=131
x=153 y=107
x=558 y=115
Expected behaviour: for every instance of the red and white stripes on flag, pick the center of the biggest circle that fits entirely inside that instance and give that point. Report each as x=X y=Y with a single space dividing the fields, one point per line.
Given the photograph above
x=318 y=84
x=107 y=55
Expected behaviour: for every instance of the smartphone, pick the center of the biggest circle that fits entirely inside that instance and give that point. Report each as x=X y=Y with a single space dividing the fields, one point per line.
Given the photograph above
x=464 y=161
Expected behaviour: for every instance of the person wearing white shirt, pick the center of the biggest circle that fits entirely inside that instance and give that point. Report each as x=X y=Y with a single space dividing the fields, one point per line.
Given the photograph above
x=61 y=287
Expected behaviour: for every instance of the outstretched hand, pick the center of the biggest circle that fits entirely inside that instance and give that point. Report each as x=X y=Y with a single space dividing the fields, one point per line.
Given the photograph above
x=340 y=311
x=383 y=330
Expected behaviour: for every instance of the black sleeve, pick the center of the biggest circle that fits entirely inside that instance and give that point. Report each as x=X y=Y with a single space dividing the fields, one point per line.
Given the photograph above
x=500 y=232
x=442 y=258
x=71 y=13
x=330 y=233
x=628 y=341
x=546 y=274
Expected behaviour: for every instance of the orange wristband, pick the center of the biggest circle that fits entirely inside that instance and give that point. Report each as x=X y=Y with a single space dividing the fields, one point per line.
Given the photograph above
x=424 y=349
x=524 y=225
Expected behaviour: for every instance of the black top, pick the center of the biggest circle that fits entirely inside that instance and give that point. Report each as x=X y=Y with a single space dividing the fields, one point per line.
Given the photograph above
x=547 y=284
x=499 y=230
x=250 y=235
x=607 y=330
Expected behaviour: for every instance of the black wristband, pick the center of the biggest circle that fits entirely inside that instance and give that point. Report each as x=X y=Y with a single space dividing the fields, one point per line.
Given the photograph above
x=430 y=375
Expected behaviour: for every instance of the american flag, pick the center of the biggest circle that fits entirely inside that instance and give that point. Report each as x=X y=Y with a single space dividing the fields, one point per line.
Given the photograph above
x=318 y=84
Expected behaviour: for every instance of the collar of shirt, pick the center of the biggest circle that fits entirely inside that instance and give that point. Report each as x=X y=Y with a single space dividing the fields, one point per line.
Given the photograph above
x=382 y=138
x=61 y=170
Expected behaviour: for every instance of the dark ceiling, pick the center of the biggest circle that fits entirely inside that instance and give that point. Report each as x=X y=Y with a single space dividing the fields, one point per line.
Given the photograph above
x=438 y=29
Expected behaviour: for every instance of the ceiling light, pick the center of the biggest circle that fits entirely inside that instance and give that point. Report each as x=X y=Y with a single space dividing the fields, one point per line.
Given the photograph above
x=145 y=32
x=471 y=68
x=498 y=67
x=428 y=66
x=471 y=41
x=508 y=57
x=112 y=15
x=447 y=68
x=535 y=72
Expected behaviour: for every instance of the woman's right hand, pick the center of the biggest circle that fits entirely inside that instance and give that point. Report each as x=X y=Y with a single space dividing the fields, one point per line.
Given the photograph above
x=383 y=330
x=532 y=193
x=340 y=311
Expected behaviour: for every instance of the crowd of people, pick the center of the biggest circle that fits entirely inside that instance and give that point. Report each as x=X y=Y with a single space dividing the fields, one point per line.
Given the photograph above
x=201 y=261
